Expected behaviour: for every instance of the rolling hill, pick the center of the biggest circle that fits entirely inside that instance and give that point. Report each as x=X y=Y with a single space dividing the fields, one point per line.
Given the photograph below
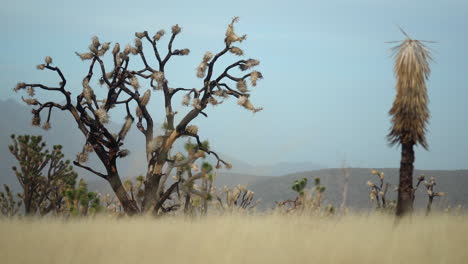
x=454 y=183
x=270 y=188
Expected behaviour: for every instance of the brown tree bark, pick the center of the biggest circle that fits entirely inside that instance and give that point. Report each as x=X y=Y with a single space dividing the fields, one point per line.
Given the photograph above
x=27 y=201
x=429 y=205
x=187 y=206
x=405 y=187
x=130 y=207
x=151 y=188
x=152 y=196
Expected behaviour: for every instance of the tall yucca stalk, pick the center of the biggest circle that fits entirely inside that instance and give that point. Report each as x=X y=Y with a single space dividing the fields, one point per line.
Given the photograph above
x=410 y=113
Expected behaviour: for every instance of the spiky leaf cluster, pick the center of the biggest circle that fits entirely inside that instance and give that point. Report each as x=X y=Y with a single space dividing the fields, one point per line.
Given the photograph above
x=299 y=186
x=410 y=113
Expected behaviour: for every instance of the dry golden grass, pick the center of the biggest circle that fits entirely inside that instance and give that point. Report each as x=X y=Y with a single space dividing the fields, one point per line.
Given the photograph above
x=236 y=239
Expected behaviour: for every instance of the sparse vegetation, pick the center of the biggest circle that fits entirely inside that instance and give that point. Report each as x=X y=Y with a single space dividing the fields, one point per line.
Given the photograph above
x=175 y=211
x=307 y=201
x=378 y=193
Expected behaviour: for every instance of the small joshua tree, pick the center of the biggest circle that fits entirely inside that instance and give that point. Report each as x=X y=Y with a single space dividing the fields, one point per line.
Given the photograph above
x=431 y=194
x=292 y=205
x=202 y=191
x=236 y=198
x=378 y=192
x=305 y=201
x=9 y=206
x=43 y=175
x=319 y=190
x=80 y=201
x=188 y=174
x=410 y=113
x=124 y=90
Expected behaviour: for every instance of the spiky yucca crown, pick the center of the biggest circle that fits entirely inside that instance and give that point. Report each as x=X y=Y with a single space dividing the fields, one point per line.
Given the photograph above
x=410 y=113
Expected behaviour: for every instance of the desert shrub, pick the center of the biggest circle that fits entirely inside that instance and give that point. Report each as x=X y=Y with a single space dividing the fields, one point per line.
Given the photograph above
x=307 y=201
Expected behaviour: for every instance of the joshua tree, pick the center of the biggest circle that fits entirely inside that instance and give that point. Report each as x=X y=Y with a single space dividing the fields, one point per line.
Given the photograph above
x=305 y=200
x=299 y=187
x=124 y=90
x=9 y=206
x=201 y=191
x=410 y=113
x=43 y=175
x=378 y=192
x=430 y=193
x=79 y=201
x=236 y=198
x=319 y=190
x=188 y=175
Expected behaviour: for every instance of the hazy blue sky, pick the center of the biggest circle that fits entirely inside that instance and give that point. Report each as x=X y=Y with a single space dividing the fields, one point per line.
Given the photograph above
x=328 y=72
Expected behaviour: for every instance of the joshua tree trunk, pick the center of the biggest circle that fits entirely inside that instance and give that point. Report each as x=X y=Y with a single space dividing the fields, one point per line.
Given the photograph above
x=151 y=188
x=187 y=206
x=405 y=188
x=27 y=200
x=429 y=205
x=152 y=200
x=130 y=206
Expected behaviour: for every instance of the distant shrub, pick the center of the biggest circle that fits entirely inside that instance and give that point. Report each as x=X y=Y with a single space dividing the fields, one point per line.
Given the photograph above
x=307 y=201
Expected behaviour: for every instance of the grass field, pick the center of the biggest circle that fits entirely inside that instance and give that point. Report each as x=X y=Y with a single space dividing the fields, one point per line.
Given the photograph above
x=236 y=239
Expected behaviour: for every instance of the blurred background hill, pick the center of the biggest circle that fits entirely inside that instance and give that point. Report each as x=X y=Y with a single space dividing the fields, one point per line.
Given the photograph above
x=269 y=182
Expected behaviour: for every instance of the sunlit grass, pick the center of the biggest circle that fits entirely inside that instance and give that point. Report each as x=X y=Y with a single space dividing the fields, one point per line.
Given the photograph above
x=236 y=239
